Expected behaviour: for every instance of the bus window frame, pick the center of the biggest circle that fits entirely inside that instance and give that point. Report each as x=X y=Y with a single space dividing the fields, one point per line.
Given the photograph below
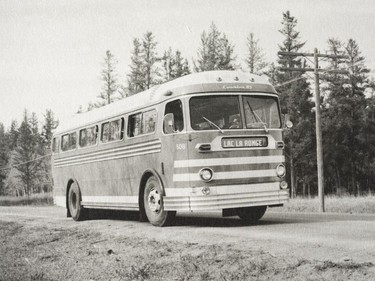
x=122 y=130
x=137 y=112
x=237 y=94
x=184 y=115
x=97 y=137
x=68 y=150
x=242 y=108
x=277 y=100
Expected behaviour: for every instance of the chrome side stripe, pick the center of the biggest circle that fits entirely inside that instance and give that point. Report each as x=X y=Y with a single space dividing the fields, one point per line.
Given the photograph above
x=223 y=189
x=229 y=161
x=110 y=199
x=111 y=202
x=122 y=152
x=227 y=175
x=110 y=150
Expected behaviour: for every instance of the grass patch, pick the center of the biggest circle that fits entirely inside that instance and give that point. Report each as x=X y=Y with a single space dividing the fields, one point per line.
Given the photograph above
x=334 y=204
x=41 y=199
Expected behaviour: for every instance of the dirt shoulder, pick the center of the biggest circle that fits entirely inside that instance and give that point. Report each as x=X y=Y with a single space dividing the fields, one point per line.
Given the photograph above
x=41 y=244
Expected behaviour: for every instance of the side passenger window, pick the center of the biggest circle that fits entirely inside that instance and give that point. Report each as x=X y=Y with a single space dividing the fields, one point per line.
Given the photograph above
x=135 y=125
x=142 y=123
x=175 y=107
x=112 y=131
x=87 y=137
x=69 y=141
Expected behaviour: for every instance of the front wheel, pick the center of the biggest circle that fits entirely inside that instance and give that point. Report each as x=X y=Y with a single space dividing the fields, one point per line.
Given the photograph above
x=76 y=210
x=153 y=204
x=251 y=214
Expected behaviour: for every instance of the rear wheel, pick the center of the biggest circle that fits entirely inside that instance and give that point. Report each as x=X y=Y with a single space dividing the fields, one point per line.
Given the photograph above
x=76 y=210
x=251 y=214
x=153 y=204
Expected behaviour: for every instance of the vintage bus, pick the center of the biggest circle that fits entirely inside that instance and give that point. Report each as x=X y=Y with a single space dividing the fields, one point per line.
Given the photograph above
x=203 y=142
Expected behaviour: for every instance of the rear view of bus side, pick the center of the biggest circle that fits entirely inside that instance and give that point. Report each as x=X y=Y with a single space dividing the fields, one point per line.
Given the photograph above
x=204 y=142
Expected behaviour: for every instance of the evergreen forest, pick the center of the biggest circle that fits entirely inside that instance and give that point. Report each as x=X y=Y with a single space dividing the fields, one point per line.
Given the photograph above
x=347 y=108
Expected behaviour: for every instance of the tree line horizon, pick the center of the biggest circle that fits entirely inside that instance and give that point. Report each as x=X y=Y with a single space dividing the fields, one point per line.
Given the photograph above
x=347 y=108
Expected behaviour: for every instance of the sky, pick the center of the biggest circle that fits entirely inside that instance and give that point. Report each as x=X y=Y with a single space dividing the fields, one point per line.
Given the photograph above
x=51 y=52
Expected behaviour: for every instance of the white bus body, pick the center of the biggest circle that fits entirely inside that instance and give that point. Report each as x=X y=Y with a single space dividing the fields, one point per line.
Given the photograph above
x=206 y=141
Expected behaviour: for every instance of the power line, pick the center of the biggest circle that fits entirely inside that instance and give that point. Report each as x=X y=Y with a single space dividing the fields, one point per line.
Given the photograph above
x=288 y=82
x=23 y=163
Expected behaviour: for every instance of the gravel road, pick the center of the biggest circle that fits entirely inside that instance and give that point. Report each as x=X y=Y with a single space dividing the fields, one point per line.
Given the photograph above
x=40 y=243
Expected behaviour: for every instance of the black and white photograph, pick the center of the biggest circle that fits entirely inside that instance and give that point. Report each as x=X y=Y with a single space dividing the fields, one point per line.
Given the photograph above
x=187 y=140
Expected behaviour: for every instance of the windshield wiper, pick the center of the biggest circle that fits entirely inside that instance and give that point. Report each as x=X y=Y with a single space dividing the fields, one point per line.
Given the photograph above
x=257 y=117
x=210 y=122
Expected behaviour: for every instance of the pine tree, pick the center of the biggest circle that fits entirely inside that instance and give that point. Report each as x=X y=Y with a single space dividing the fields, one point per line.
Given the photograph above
x=295 y=100
x=334 y=126
x=149 y=58
x=273 y=73
x=145 y=71
x=25 y=157
x=13 y=135
x=182 y=67
x=215 y=53
x=174 y=65
x=109 y=77
x=50 y=123
x=4 y=158
x=136 y=78
x=37 y=138
x=368 y=181
x=346 y=121
x=255 y=58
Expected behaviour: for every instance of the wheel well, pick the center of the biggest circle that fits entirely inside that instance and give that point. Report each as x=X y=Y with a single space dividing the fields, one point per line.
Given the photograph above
x=142 y=213
x=70 y=182
x=147 y=174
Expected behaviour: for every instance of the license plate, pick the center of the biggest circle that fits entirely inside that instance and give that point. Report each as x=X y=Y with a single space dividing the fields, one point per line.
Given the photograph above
x=244 y=142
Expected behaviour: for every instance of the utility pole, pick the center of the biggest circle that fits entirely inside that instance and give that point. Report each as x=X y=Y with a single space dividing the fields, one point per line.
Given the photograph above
x=318 y=128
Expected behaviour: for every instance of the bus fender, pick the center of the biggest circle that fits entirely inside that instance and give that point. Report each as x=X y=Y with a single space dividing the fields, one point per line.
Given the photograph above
x=148 y=173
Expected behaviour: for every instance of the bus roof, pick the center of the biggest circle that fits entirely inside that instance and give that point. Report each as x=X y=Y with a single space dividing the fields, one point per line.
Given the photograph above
x=201 y=82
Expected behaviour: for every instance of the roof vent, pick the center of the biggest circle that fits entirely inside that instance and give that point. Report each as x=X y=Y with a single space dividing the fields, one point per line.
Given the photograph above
x=168 y=93
x=252 y=79
x=236 y=78
x=219 y=79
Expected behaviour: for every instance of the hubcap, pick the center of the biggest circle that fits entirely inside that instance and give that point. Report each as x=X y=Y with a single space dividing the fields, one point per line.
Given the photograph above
x=154 y=200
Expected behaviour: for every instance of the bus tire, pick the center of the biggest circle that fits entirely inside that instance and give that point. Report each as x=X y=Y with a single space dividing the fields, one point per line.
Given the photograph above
x=76 y=210
x=251 y=215
x=153 y=204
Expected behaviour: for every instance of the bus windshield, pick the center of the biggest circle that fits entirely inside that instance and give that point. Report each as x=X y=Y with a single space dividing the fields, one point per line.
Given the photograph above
x=216 y=112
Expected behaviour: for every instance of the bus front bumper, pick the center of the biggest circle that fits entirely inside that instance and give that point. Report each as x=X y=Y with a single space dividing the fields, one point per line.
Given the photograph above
x=216 y=198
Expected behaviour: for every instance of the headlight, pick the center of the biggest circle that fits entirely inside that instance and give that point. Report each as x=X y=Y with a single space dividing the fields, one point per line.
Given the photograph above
x=280 y=170
x=206 y=174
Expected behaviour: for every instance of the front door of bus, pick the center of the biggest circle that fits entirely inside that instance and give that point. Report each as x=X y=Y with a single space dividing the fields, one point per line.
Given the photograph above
x=175 y=147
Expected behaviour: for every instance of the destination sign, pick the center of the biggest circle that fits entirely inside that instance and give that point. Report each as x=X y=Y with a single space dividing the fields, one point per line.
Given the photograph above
x=244 y=142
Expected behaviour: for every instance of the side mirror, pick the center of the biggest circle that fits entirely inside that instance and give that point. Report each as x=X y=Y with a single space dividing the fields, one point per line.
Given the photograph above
x=287 y=123
x=168 y=123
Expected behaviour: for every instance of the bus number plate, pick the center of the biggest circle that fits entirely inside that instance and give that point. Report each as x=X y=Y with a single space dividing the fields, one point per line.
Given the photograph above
x=244 y=142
